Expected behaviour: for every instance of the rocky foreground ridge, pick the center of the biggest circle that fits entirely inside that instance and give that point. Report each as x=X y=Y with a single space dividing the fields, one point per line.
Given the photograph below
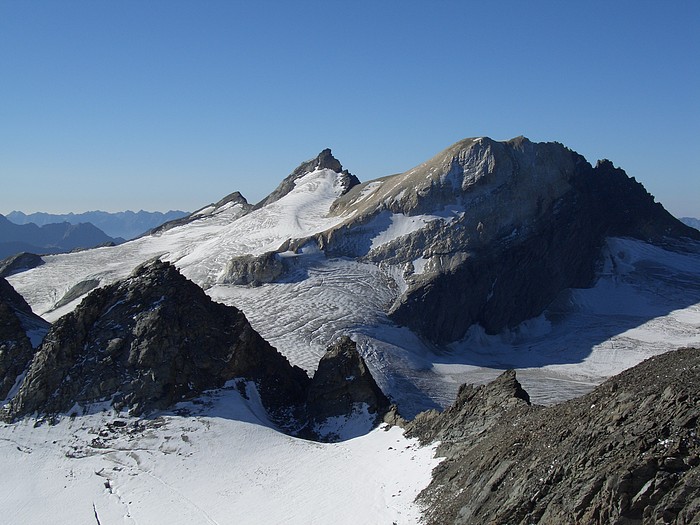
x=154 y=339
x=629 y=452
x=146 y=343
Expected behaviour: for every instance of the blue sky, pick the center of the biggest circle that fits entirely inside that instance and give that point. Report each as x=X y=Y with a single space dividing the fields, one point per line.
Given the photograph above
x=167 y=104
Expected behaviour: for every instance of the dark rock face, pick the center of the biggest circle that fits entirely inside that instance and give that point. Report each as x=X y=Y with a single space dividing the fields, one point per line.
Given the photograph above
x=16 y=351
x=154 y=339
x=341 y=383
x=629 y=452
x=148 y=342
x=19 y=263
x=498 y=277
x=324 y=160
x=254 y=270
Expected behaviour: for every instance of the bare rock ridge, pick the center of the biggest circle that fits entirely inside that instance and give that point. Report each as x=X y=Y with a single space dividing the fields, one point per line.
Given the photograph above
x=146 y=343
x=508 y=226
x=16 y=350
x=19 y=263
x=629 y=452
x=324 y=160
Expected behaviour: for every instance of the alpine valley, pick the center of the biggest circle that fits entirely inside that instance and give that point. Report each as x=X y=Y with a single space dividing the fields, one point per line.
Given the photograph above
x=489 y=337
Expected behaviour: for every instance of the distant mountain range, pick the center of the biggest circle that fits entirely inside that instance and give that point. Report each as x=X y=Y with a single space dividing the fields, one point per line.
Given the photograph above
x=125 y=224
x=691 y=221
x=50 y=238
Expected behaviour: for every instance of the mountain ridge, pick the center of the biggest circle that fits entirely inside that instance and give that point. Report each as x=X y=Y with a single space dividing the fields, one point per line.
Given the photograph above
x=49 y=238
x=125 y=224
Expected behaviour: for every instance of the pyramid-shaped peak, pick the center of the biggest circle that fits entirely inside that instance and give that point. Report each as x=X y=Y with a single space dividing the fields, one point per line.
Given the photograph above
x=323 y=161
x=147 y=342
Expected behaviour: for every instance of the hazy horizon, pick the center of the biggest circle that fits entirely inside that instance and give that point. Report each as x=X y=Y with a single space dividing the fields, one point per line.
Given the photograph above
x=173 y=105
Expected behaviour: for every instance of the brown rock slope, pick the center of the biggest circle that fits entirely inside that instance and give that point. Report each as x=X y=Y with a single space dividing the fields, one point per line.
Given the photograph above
x=626 y=453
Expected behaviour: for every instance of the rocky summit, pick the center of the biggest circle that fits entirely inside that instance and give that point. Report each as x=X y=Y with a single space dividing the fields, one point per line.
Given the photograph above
x=148 y=342
x=629 y=452
x=323 y=161
x=504 y=228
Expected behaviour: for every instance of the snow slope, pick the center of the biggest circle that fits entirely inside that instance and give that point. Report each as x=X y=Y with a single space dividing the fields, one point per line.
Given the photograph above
x=646 y=301
x=221 y=464
x=200 y=249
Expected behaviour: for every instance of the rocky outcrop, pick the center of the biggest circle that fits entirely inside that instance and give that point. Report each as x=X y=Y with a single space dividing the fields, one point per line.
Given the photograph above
x=235 y=199
x=629 y=452
x=16 y=350
x=343 y=384
x=77 y=291
x=508 y=226
x=148 y=342
x=19 y=263
x=476 y=410
x=253 y=270
x=324 y=160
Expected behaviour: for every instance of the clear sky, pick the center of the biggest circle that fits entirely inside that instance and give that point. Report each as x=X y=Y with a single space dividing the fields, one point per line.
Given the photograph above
x=170 y=104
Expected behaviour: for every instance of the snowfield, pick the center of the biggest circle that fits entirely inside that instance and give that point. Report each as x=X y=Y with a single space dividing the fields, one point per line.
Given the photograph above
x=221 y=464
